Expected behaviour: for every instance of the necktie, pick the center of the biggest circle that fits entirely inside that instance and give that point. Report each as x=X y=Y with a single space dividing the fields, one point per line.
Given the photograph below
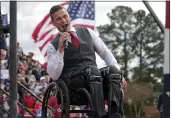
x=75 y=40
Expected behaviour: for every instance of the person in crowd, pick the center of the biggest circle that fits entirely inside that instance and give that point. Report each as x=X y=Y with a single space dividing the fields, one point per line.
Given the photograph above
x=3 y=53
x=32 y=83
x=3 y=49
x=30 y=74
x=38 y=106
x=25 y=63
x=38 y=88
x=55 y=107
x=19 y=50
x=160 y=105
x=31 y=54
x=35 y=72
x=43 y=83
x=29 y=101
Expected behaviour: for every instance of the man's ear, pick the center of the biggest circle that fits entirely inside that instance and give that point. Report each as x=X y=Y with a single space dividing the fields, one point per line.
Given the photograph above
x=69 y=17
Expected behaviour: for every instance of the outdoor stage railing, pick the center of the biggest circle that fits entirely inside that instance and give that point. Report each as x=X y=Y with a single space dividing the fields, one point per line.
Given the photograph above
x=22 y=98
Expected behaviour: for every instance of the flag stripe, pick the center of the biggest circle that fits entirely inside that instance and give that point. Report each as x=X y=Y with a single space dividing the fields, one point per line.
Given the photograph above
x=40 y=25
x=166 y=52
x=166 y=40
x=168 y=14
x=45 y=54
x=166 y=90
x=46 y=42
x=50 y=23
x=38 y=28
x=83 y=21
x=82 y=25
x=84 y=17
x=45 y=34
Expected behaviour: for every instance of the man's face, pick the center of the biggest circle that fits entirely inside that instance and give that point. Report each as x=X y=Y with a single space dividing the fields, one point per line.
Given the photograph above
x=22 y=72
x=42 y=81
x=28 y=94
x=24 y=58
x=30 y=72
x=3 y=54
x=61 y=19
x=7 y=87
x=32 y=83
x=29 y=60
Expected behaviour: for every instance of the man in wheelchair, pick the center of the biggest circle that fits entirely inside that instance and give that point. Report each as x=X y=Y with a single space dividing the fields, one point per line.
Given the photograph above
x=73 y=52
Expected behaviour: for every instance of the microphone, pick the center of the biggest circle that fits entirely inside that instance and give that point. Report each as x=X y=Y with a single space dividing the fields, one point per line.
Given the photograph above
x=66 y=41
x=66 y=44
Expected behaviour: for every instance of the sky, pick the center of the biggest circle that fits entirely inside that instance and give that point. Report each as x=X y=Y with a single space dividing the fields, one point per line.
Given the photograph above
x=29 y=14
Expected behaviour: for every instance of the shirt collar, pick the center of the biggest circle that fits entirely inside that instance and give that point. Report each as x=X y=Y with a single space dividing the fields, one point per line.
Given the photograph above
x=71 y=28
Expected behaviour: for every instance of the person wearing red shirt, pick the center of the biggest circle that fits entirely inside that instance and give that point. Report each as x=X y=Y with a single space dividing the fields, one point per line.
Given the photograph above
x=29 y=102
x=56 y=110
x=38 y=107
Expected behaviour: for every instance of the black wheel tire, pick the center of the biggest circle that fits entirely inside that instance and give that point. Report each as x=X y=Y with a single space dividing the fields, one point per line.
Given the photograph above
x=117 y=115
x=65 y=100
x=45 y=99
x=109 y=101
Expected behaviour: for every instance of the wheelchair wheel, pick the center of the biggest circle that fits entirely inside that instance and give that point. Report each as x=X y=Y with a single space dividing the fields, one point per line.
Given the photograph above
x=62 y=96
x=111 y=114
x=109 y=101
x=117 y=115
x=45 y=100
x=64 y=99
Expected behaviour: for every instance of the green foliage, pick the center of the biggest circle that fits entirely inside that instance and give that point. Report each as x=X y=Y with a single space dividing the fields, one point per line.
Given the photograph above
x=137 y=43
x=118 y=34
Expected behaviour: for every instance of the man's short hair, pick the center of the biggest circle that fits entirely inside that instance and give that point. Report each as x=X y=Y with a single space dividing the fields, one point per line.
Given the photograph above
x=54 y=9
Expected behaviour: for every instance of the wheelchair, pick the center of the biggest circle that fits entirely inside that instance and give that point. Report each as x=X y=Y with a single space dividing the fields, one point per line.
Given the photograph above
x=78 y=97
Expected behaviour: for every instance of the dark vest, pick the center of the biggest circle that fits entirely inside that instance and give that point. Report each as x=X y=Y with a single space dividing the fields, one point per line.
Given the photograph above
x=78 y=58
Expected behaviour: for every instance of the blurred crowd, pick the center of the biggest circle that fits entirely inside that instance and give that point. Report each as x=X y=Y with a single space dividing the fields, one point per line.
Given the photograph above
x=32 y=75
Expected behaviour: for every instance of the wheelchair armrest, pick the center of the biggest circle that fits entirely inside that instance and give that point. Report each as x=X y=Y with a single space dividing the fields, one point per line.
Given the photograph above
x=77 y=73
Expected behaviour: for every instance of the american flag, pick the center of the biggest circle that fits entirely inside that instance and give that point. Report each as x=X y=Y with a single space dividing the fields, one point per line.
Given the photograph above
x=82 y=13
x=166 y=90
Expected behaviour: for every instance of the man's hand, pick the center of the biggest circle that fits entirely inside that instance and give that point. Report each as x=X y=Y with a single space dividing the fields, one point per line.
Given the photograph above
x=124 y=85
x=63 y=36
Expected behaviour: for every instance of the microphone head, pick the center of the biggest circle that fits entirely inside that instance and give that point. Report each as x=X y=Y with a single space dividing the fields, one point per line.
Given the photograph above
x=66 y=41
x=66 y=44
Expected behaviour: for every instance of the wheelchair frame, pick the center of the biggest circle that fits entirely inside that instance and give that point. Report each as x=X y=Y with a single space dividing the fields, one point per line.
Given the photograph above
x=65 y=100
x=62 y=89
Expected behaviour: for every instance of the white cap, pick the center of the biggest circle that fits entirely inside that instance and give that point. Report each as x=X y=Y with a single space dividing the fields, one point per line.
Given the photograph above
x=42 y=78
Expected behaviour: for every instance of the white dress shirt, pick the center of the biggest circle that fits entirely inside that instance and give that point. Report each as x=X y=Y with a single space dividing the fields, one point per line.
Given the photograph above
x=55 y=58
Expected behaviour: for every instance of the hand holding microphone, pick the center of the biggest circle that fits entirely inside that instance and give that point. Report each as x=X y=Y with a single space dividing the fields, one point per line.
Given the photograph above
x=63 y=41
x=66 y=41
